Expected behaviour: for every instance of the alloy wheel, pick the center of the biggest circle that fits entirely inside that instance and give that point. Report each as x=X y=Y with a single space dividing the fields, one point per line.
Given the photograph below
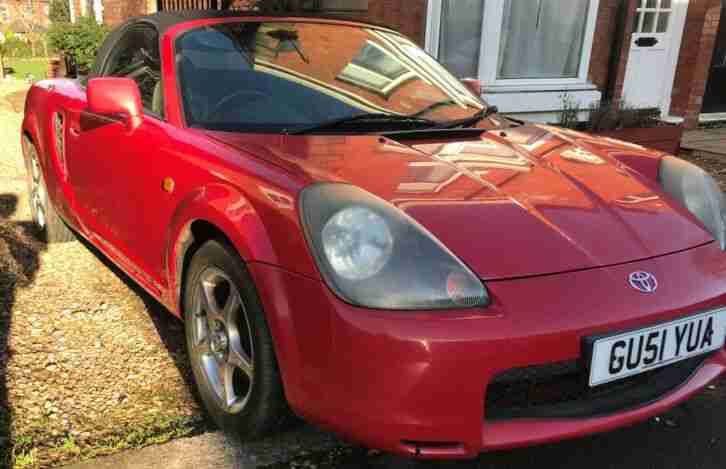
x=37 y=193
x=222 y=340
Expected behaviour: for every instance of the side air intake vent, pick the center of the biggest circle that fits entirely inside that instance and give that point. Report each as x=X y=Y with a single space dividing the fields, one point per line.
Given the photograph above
x=59 y=133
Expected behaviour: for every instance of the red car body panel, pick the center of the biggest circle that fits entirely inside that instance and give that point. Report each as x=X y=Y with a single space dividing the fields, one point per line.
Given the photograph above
x=563 y=203
x=581 y=213
x=384 y=378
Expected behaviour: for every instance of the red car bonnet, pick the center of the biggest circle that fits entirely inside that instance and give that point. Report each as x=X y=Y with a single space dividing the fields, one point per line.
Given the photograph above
x=509 y=207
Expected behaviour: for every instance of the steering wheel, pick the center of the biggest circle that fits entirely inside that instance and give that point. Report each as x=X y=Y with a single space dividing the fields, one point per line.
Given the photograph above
x=240 y=98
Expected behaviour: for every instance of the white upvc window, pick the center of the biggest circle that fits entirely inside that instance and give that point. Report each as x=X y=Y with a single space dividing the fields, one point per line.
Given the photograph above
x=518 y=46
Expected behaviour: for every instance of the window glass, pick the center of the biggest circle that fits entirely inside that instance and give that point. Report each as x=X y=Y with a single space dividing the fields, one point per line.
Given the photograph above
x=648 y=22
x=542 y=38
x=663 y=21
x=280 y=76
x=460 y=40
x=137 y=57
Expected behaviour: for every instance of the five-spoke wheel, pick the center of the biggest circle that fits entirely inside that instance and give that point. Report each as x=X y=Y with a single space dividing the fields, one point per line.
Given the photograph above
x=230 y=345
x=222 y=337
x=45 y=217
x=37 y=194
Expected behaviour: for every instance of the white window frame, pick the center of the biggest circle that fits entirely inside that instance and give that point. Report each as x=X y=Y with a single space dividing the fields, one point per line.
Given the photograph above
x=72 y=10
x=491 y=41
x=98 y=11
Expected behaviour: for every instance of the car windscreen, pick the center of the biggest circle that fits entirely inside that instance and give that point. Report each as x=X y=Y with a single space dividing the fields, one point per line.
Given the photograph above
x=283 y=76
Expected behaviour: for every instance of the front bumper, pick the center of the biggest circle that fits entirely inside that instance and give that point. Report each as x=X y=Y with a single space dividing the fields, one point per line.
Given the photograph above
x=416 y=383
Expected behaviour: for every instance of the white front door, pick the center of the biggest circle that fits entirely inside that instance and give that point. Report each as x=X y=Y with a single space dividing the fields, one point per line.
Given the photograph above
x=654 y=47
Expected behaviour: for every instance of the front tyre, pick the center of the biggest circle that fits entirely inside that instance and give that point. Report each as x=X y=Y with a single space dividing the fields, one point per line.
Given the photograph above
x=45 y=218
x=229 y=344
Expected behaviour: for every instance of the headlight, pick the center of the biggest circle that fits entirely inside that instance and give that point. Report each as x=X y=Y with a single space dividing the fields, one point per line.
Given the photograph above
x=373 y=255
x=357 y=243
x=698 y=192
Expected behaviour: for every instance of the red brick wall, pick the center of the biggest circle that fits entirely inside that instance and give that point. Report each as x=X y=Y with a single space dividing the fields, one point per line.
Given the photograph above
x=624 y=52
x=694 y=62
x=118 y=11
x=603 y=41
x=18 y=10
x=407 y=16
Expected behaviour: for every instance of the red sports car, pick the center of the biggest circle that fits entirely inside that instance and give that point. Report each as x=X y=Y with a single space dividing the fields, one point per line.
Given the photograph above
x=350 y=234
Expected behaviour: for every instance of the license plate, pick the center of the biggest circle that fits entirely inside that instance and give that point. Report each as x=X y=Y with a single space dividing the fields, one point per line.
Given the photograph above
x=631 y=353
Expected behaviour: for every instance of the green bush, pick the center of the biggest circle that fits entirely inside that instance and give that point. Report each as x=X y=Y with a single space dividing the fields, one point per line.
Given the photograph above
x=80 y=39
x=59 y=11
x=16 y=47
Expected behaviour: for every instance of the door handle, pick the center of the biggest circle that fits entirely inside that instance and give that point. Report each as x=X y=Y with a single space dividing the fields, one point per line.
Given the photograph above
x=646 y=42
x=75 y=132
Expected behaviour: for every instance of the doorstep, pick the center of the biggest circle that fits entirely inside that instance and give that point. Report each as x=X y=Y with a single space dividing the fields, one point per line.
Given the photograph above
x=705 y=141
x=712 y=117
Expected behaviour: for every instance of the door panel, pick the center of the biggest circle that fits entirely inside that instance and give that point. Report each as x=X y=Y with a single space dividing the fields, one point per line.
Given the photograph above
x=117 y=177
x=645 y=80
x=117 y=172
x=86 y=164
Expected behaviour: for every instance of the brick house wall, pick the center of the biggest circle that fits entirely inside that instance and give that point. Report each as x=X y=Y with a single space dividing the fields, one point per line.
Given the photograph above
x=702 y=24
x=12 y=11
x=603 y=40
x=409 y=17
x=118 y=11
x=694 y=62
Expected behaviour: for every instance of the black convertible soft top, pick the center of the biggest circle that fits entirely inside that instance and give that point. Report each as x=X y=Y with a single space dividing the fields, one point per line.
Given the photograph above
x=165 y=20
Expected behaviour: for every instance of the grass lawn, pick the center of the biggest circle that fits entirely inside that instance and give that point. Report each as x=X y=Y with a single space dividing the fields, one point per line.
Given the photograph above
x=24 y=67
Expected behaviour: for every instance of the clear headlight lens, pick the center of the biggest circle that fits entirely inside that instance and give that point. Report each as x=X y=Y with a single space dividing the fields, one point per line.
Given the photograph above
x=373 y=255
x=698 y=192
x=357 y=243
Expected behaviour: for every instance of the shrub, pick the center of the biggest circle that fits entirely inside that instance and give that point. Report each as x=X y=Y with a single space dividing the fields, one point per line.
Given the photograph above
x=19 y=49
x=613 y=115
x=80 y=39
x=607 y=115
x=59 y=11
x=9 y=44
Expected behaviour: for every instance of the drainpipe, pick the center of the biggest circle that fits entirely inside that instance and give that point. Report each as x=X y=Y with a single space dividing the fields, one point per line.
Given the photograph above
x=621 y=17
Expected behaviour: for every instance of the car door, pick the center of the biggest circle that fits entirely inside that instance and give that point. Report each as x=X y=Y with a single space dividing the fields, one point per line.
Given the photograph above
x=116 y=174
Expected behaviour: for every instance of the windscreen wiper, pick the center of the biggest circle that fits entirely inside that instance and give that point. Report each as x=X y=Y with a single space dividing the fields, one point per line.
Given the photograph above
x=366 y=119
x=470 y=121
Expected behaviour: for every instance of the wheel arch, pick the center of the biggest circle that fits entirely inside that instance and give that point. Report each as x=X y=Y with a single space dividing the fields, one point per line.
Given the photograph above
x=29 y=136
x=31 y=125
x=200 y=219
x=216 y=211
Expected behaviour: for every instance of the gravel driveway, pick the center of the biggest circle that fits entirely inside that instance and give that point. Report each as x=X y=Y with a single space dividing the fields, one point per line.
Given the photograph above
x=88 y=364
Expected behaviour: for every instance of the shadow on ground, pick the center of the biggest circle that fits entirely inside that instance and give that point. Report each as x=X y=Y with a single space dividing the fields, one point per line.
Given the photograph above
x=169 y=327
x=692 y=435
x=19 y=261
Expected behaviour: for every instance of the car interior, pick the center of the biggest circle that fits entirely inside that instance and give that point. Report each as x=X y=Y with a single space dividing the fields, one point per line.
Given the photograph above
x=244 y=91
